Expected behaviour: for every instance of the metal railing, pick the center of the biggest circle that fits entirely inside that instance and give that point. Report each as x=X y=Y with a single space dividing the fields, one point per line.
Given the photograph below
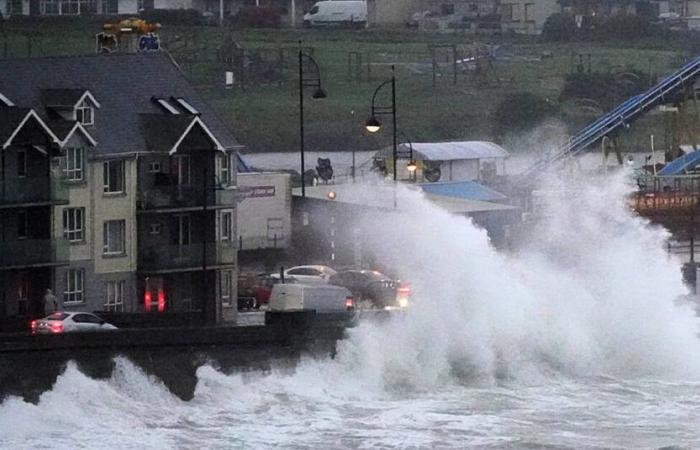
x=170 y=257
x=33 y=252
x=19 y=190
x=184 y=196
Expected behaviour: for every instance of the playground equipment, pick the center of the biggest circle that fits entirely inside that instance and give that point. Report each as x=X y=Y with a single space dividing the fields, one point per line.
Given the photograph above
x=128 y=35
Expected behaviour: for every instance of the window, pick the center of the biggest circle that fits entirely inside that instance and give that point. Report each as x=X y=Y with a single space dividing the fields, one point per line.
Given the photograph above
x=22 y=224
x=181 y=230
x=75 y=286
x=73 y=170
x=74 y=224
x=21 y=163
x=14 y=7
x=50 y=7
x=114 y=176
x=145 y=5
x=226 y=285
x=84 y=113
x=154 y=167
x=155 y=228
x=181 y=169
x=110 y=7
x=225 y=170
x=115 y=296
x=114 y=237
x=227 y=226
x=530 y=12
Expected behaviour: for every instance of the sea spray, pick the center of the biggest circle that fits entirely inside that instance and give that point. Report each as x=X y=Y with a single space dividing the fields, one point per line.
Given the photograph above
x=590 y=291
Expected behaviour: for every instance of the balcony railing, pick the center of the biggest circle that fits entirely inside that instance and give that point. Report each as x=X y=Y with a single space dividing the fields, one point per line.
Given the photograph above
x=33 y=252
x=183 y=196
x=173 y=257
x=16 y=190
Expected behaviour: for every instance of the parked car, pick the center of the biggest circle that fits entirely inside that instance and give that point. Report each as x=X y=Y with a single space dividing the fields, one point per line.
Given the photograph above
x=307 y=274
x=322 y=298
x=372 y=288
x=70 y=322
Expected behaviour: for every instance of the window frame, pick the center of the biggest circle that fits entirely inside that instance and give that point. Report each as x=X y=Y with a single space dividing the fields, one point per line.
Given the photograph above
x=74 y=169
x=22 y=224
x=84 y=110
x=225 y=170
x=74 y=287
x=226 y=228
x=114 y=295
x=226 y=287
x=106 y=176
x=22 y=163
x=78 y=230
x=107 y=242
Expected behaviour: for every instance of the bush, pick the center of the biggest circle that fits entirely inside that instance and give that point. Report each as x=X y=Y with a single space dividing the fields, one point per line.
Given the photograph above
x=258 y=17
x=559 y=27
x=605 y=88
x=622 y=26
x=521 y=111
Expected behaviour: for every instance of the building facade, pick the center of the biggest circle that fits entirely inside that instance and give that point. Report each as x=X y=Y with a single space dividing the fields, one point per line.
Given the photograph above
x=131 y=204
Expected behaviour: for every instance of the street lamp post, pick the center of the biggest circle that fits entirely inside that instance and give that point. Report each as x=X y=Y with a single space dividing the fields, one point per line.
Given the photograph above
x=310 y=81
x=373 y=124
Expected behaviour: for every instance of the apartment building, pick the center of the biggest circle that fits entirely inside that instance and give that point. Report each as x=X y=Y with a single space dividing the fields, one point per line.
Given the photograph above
x=131 y=204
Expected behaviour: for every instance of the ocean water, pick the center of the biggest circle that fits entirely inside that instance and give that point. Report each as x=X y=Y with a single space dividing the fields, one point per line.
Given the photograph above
x=583 y=336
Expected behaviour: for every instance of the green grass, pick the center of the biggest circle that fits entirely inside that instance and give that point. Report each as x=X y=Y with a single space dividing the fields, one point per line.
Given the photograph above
x=265 y=117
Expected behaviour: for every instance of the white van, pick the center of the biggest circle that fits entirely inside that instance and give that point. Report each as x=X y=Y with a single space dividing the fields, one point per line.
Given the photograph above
x=322 y=298
x=337 y=12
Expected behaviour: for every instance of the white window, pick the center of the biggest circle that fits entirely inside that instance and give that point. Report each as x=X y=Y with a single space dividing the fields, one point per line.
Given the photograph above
x=21 y=163
x=155 y=228
x=226 y=226
x=225 y=170
x=115 y=296
x=84 y=113
x=226 y=287
x=75 y=286
x=50 y=7
x=154 y=167
x=74 y=224
x=114 y=176
x=114 y=237
x=74 y=164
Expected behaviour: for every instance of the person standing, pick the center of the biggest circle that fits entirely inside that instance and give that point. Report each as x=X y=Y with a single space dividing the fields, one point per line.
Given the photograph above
x=50 y=303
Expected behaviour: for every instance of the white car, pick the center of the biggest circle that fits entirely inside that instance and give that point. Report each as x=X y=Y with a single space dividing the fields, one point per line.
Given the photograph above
x=307 y=274
x=69 y=322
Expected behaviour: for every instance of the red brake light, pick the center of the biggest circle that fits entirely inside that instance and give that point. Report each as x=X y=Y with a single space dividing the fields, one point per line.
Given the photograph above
x=161 y=300
x=56 y=327
x=403 y=291
x=147 y=301
x=33 y=325
x=349 y=303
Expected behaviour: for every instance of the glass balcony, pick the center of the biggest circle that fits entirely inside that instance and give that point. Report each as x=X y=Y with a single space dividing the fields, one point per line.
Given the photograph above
x=173 y=257
x=33 y=252
x=184 y=196
x=27 y=190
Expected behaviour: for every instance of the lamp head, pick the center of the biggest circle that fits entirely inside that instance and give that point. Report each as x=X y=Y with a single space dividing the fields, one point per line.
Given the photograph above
x=373 y=124
x=319 y=93
x=411 y=166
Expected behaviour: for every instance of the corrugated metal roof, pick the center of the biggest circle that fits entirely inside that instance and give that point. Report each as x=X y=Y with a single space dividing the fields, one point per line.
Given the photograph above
x=450 y=151
x=467 y=190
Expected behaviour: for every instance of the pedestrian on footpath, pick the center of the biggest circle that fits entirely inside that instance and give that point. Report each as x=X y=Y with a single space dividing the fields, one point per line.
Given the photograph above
x=50 y=303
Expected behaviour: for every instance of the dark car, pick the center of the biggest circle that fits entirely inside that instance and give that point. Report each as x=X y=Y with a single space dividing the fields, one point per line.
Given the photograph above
x=373 y=288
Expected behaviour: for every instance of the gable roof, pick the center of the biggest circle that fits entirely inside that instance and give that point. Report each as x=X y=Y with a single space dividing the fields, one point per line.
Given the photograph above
x=165 y=133
x=13 y=119
x=123 y=84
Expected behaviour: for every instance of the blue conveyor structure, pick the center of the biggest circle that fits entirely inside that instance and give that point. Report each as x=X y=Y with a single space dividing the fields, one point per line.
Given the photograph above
x=623 y=114
x=679 y=165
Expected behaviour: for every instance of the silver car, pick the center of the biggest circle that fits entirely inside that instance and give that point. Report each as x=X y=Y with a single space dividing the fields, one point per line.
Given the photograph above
x=70 y=322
